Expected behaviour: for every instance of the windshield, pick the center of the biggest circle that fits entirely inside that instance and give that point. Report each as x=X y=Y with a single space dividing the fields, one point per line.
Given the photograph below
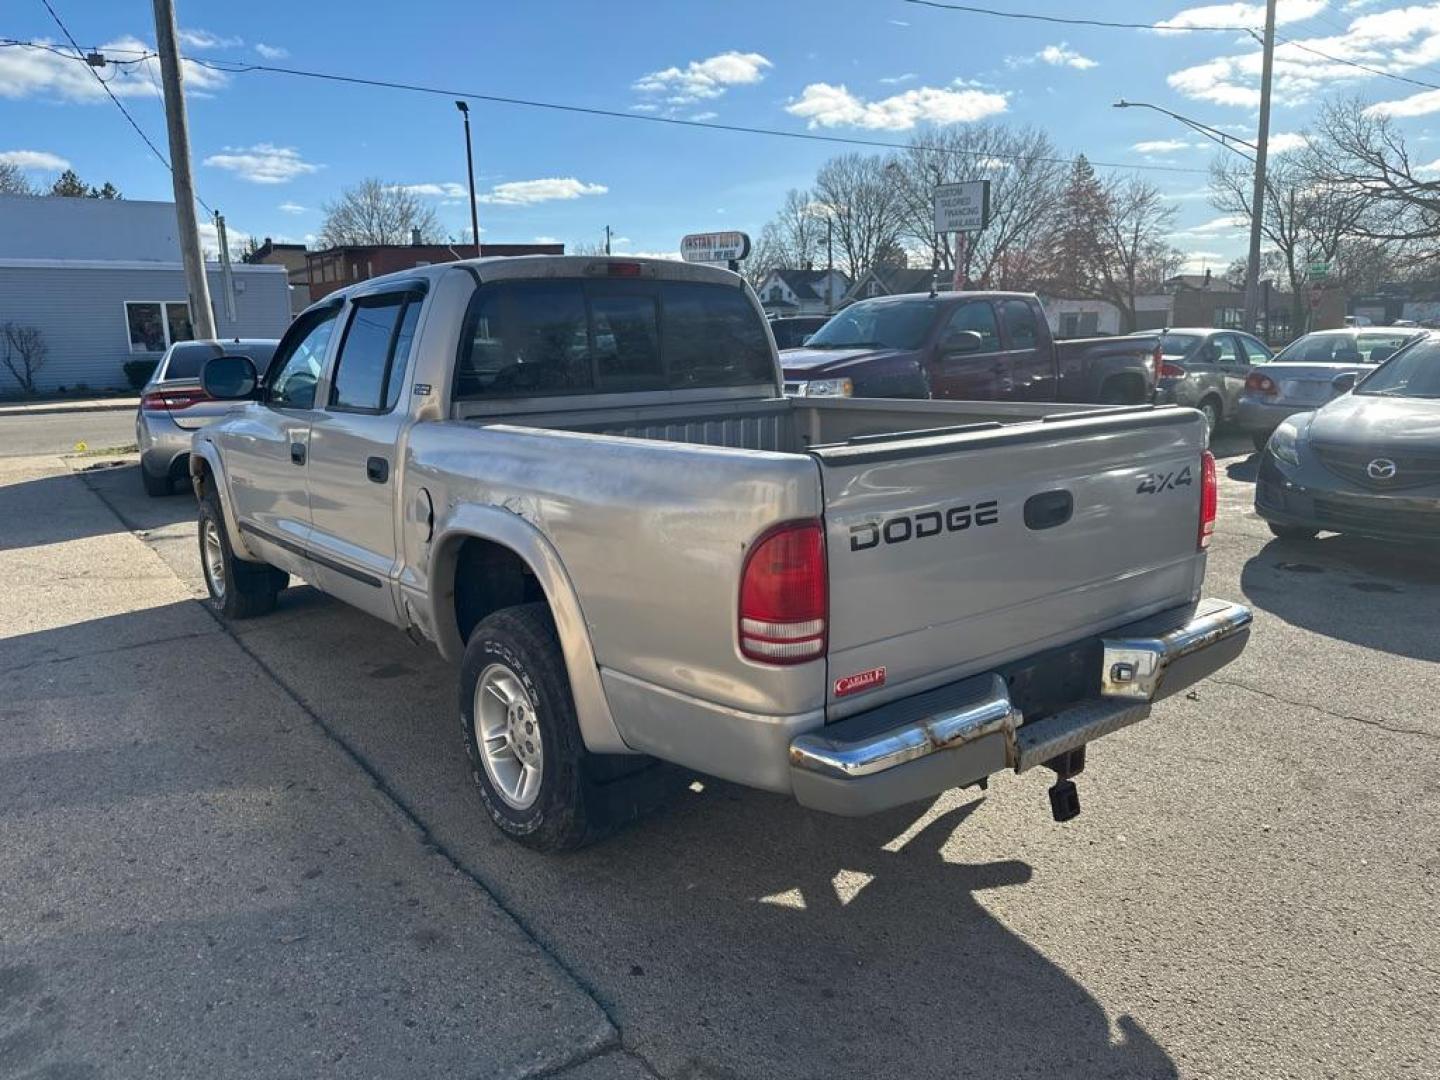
x=1177 y=344
x=1363 y=348
x=1415 y=373
x=885 y=324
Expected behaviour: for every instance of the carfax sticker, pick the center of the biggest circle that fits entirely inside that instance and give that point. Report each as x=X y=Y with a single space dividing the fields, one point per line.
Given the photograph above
x=861 y=680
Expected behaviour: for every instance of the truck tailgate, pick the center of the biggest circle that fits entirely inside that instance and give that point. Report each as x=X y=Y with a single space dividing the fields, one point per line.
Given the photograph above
x=952 y=553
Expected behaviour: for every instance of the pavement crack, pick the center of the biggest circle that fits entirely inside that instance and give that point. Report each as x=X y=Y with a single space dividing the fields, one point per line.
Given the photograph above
x=1369 y=721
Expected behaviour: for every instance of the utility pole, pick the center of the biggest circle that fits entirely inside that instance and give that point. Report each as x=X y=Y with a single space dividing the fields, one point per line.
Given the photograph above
x=202 y=315
x=227 y=275
x=1257 y=202
x=607 y=239
x=829 y=263
x=464 y=108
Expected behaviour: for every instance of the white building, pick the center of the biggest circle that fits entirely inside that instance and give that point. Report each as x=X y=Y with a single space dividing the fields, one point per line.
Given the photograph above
x=101 y=279
x=1099 y=318
x=802 y=292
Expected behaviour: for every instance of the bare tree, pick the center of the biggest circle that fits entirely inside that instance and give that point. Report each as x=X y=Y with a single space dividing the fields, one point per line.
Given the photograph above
x=799 y=231
x=1025 y=179
x=862 y=201
x=24 y=353
x=13 y=181
x=374 y=212
x=1134 y=255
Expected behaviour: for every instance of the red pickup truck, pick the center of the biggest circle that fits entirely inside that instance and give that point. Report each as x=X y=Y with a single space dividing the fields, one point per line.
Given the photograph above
x=974 y=346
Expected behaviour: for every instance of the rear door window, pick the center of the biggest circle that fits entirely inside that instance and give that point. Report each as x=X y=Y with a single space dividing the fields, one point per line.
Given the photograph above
x=1019 y=320
x=1225 y=350
x=364 y=360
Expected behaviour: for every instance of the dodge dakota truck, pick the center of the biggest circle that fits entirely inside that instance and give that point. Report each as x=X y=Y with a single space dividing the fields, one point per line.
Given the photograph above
x=970 y=346
x=579 y=478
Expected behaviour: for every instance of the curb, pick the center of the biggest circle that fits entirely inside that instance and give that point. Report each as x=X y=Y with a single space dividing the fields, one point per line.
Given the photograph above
x=52 y=409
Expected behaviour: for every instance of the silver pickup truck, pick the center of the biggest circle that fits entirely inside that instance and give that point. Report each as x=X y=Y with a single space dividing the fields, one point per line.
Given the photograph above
x=578 y=477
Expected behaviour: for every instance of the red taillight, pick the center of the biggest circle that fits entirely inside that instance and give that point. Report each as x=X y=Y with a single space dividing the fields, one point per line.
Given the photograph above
x=784 y=601
x=1171 y=371
x=1257 y=382
x=623 y=269
x=1209 y=499
x=172 y=400
x=1157 y=362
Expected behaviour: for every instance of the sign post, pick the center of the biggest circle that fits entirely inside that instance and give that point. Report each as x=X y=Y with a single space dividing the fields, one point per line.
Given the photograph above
x=716 y=248
x=961 y=209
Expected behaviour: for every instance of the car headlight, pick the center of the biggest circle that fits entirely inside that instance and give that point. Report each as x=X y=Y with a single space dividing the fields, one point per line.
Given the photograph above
x=1285 y=443
x=830 y=388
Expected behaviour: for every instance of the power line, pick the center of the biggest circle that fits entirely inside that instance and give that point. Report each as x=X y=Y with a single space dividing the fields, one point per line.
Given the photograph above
x=1064 y=20
x=585 y=110
x=1355 y=64
x=111 y=95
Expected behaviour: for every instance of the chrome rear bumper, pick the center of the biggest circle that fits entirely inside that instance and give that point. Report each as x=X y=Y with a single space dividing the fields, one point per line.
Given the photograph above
x=958 y=735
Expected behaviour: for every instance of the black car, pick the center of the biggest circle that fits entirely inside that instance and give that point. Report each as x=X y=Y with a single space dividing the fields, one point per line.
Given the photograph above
x=791 y=330
x=1368 y=463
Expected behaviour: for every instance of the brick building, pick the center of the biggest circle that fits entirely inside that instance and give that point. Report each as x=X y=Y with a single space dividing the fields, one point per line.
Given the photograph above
x=336 y=267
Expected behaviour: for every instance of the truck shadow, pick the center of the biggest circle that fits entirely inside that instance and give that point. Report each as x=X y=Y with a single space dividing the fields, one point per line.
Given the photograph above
x=45 y=510
x=1382 y=596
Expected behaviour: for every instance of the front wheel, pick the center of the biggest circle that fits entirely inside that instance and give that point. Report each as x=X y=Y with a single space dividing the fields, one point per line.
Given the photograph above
x=1211 y=411
x=238 y=589
x=1293 y=532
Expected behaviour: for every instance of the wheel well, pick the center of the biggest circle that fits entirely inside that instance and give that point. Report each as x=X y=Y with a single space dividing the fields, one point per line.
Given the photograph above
x=200 y=475
x=488 y=577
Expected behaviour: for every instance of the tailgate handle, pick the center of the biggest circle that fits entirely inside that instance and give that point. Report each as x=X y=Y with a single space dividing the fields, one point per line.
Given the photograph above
x=1048 y=509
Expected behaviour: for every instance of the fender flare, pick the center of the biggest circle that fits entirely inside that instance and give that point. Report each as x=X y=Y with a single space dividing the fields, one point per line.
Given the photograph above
x=204 y=453
x=509 y=530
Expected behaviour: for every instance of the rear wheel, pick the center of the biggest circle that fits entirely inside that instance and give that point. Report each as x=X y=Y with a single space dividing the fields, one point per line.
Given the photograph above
x=1293 y=532
x=537 y=781
x=238 y=589
x=1210 y=409
x=156 y=486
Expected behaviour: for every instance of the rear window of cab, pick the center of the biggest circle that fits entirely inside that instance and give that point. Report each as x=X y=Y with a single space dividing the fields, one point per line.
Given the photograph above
x=562 y=336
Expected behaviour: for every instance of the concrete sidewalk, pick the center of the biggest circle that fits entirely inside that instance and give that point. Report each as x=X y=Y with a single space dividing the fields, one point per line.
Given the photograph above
x=66 y=405
x=196 y=880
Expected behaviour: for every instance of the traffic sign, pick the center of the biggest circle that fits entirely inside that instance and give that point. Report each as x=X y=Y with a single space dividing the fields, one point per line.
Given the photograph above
x=962 y=207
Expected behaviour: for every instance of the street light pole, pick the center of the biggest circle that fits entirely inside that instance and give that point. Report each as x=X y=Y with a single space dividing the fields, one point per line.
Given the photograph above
x=464 y=108
x=1257 y=202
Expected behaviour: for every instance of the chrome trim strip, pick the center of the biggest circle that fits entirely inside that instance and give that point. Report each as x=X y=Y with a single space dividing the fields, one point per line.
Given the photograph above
x=1134 y=668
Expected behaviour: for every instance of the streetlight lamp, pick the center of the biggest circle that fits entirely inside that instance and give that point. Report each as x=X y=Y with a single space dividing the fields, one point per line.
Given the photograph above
x=1213 y=134
x=464 y=108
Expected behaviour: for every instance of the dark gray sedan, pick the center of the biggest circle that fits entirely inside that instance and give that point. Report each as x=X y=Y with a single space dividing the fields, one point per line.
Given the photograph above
x=1206 y=369
x=1368 y=463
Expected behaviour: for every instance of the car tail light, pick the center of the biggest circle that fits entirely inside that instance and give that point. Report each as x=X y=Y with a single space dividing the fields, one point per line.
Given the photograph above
x=172 y=400
x=1157 y=362
x=1209 y=499
x=1171 y=371
x=1257 y=382
x=784 y=595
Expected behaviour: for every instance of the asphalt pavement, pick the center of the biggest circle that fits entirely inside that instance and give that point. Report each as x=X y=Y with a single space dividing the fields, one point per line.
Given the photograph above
x=28 y=434
x=1249 y=892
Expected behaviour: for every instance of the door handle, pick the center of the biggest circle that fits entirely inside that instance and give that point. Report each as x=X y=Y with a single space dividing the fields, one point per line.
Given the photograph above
x=377 y=469
x=297 y=453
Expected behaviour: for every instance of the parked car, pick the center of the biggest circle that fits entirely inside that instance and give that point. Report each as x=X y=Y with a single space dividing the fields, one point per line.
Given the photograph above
x=644 y=548
x=173 y=406
x=1302 y=374
x=968 y=346
x=790 y=331
x=1368 y=463
x=1205 y=368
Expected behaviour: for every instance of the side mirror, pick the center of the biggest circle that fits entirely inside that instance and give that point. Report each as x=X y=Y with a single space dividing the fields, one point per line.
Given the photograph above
x=229 y=378
x=963 y=341
x=1344 y=382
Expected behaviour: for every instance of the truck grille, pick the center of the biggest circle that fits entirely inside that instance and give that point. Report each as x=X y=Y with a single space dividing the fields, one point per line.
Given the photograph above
x=1412 y=469
x=1374 y=517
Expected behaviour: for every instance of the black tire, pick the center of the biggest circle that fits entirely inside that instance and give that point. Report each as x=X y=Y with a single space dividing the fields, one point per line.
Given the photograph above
x=157 y=487
x=1210 y=408
x=1293 y=532
x=570 y=808
x=237 y=589
x=1260 y=440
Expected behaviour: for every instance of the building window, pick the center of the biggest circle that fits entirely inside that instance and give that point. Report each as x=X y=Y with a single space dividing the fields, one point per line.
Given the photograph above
x=1230 y=318
x=156 y=325
x=776 y=295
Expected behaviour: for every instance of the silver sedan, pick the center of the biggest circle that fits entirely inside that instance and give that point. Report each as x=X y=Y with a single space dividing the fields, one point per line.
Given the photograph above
x=173 y=405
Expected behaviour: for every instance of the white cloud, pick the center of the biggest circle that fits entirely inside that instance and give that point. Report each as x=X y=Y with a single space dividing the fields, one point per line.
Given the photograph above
x=529 y=192
x=1285 y=141
x=1224 y=225
x=40 y=73
x=447 y=190
x=1240 y=14
x=293 y=208
x=204 y=39
x=263 y=163
x=824 y=105
x=1063 y=56
x=210 y=241
x=704 y=79
x=1197 y=262
x=645 y=107
x=1162 y=146
x=896 y=80
x=673 y=256
x=1421 y=104
x=702 y=116
x=546 y=240
x=897 y=22
x=271 y=52
x=33 y=159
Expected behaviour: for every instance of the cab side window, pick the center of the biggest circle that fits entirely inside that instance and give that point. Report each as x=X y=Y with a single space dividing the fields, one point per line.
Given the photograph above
x=296 y=366
x=1019 y=322
x=1223 y=350
x=979 y=316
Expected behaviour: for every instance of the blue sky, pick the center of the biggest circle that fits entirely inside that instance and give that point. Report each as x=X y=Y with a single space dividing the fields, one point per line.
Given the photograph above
x=270 y=150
